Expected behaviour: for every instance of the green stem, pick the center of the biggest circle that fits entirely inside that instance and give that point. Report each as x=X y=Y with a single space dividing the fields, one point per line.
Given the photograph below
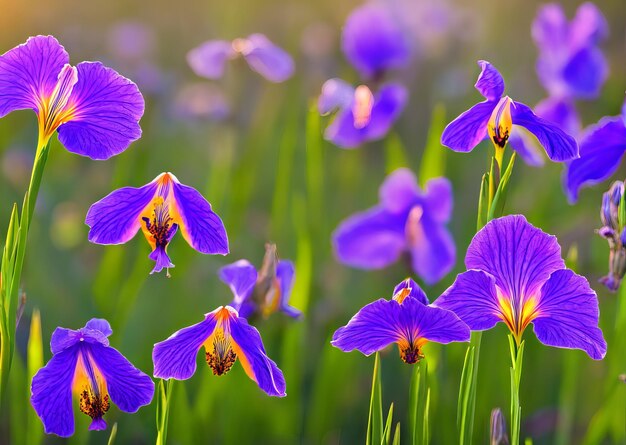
x=164 y=397
x=12 y=265
x=517 y=355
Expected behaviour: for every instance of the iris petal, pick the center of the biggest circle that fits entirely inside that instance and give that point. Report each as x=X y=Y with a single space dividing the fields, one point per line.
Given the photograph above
x=399 y=191
x=51 y=393
x=285 y=272
x=568 y=315
x=106 y=112
x=586 y=72
x=469 y=129
x=267 y=59
x=28 y=73
x=433 y=252
x=99 y=324
x=201 y=227
x=438 y=199
x=415 y=290
x=209 y=59
x=241 y=277
x=490 y=82
x=259 y=367
x=129 y=388
x=558 y=145
x=432 y=323
x=176 y=356
x=336 y=94
x=115 y=218
x=474 y=299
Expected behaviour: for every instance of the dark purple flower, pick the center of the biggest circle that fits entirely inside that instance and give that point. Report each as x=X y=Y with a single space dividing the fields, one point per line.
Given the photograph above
x=263 y=292
x=374 y=42
x=95 y=110
x=83 y=363
x=361 y=116
x=407 y=220
x=614 y=232
x=159 y=209
x=495 y=118
x=406 y=320
x=602 y=147
x=516 y=275
x=570 y=65
x=270 y=61
x=226 y=337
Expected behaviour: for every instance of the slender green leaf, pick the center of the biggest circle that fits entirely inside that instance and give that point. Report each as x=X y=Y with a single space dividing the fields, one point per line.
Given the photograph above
x=375 y=418
x=395 y=156
x=164 y=398
x=414 y=393
x=433 y=162
x=34 y=362
x=388 y=426
x=396 y=435
x=113 y=434
x=497 y=206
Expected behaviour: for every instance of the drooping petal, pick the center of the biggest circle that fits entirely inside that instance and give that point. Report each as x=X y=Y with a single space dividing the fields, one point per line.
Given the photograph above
x=115 y=218
x=373 y=41
x=370 y=240
x=568 y=315
x=490 y=82
x=562 y=112
x=241 y=277
x=336 y=94
x=388 y=104
x=201 y=227
x=473 y=298
x=99 y=324
x=524 y=145
x=51 y=393
x=285 y=273
x=106 y=112
x=250 y=351
x=586 y=72
x=63 y=338
x=469 y=129
x=129 y=388
x=161 y=259
x=433 y=252
x=373 y=328
x=520 y=256
x=267 y=59
x=558 y=145
x=415 y=291
x=399 y=191
x=602 y=147
x=28 y=73
x=438 y=199
x=176 y=357
x=209 y=59
x=432 y=323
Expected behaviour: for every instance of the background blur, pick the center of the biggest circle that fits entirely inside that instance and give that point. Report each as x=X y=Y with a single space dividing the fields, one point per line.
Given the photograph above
x=242 y=142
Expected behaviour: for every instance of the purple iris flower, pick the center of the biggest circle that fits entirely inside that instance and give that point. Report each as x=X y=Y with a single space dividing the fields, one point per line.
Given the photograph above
x=159 y=209
x=407 y=220
x=614 y=232
x=495 y=118
x=95 y=110
x=374 y=42
x=406 y=320
x=270 y=61
x=516 y=275
x=83 y=363
x=570 y=64
x=602 y=147
x=226 y=337
x=263 y=292
x=361 y=115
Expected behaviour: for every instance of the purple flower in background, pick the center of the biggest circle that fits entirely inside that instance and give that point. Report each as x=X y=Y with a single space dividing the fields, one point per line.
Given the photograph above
x=406 y=320
x=263 y=292
x=374 y=42
x=95 y=110
x=159 y=209
x=614 y=231
x=200 y=102
x=83 y=363
x=226 y=337
x=570 y=64
x=602 y=147
x=407 y=220
x=270 y=61
x=361 y=115
x=495 y=118
x=516 y=275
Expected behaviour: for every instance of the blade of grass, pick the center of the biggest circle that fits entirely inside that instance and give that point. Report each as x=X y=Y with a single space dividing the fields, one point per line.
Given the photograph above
x=388 y=426
x=375 y=418
x=433 y=162
x=34 y=430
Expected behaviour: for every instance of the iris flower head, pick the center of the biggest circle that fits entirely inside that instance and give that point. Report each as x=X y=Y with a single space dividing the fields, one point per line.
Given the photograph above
x=614 y=231
x=95 y=110
x=261 y=292
x=159 y=208
x=361 y=115
x=408 y=221
x=516 y=275
x=495 y=118
x=226 y=338
x=270 y=61
x=406 y=320
x=602 y=147
x=85 y=366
